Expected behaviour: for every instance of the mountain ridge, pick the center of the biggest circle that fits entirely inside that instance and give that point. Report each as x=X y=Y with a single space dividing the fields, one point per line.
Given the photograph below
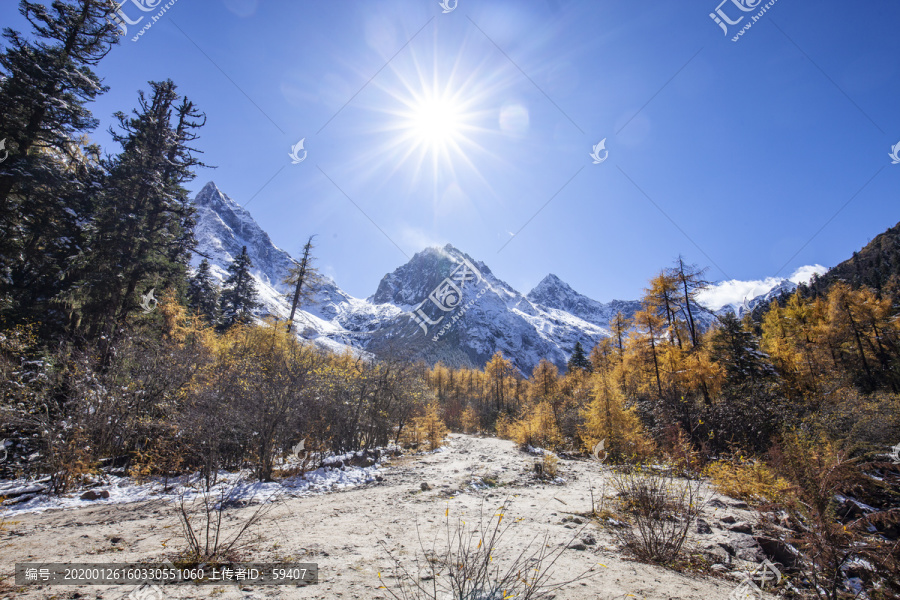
x=442 y=305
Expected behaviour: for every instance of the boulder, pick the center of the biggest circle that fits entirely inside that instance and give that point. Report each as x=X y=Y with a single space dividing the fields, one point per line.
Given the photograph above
x=95 y=495
x=744 y=547
x=779 y=552
x=741 y=527
x=703 y=527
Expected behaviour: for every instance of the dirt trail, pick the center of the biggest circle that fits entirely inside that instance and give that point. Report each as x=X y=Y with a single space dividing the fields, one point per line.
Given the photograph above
x=341 y=531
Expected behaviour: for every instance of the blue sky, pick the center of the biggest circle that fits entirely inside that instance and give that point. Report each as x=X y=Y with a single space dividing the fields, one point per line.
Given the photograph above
x=752 y=157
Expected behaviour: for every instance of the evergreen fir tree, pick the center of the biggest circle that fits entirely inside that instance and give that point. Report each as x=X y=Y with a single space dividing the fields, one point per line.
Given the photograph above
x=238 y=299
x=203 y=295
x=737 y=349
x=51 y=172
x=143 y=230
x=579 y=360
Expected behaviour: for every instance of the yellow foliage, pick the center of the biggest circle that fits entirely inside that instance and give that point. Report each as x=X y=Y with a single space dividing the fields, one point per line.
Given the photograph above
x=754 y=482
x=431 y=426
x=549 y=465
x=470 y=420
x=607 y=418
x=536 y=428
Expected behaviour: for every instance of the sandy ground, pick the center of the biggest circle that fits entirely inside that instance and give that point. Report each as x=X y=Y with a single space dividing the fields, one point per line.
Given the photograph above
x=341 y=532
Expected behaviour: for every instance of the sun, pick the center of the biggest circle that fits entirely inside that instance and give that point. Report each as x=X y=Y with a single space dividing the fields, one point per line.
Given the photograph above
x=435 y=122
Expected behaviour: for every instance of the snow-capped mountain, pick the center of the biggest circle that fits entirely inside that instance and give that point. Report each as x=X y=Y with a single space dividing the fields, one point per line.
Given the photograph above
x=442 y=305
x=739 y=297
x=553 y=292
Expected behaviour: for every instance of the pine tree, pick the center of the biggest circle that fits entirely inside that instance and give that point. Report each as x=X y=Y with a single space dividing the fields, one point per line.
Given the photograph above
x=738 y=351
x=238 y=299
x=579 y=360
x=203 y=295
x=51 y=171
x=46 y=83
x=144 y=224
x=304 y=277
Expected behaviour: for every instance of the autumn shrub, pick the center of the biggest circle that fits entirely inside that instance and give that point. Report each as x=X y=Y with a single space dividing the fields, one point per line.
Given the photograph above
x=536 y=428
x=549 y=465
x=753 y=481
x=431 y=426
x=819 y=471
x=470 y=421
x=71 y=461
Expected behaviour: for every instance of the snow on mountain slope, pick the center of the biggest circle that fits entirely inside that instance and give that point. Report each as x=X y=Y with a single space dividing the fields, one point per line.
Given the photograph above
x=442 y=305
x=224 y=227
x=554 y=293
x=739 y=297
x=489 y=316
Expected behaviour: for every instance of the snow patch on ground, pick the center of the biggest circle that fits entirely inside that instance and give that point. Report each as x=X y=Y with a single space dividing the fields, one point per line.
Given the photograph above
x=237 y=487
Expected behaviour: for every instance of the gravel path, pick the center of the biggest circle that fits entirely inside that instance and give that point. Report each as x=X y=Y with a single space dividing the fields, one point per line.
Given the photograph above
x=341 y=531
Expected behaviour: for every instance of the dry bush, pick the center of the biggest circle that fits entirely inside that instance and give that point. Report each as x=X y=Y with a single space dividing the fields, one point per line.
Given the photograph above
x=681 y=453
x=754 y=482
x=820 y=471
x=658 y=509
x=548 y=466
x=203 y=529
x=469 y=563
